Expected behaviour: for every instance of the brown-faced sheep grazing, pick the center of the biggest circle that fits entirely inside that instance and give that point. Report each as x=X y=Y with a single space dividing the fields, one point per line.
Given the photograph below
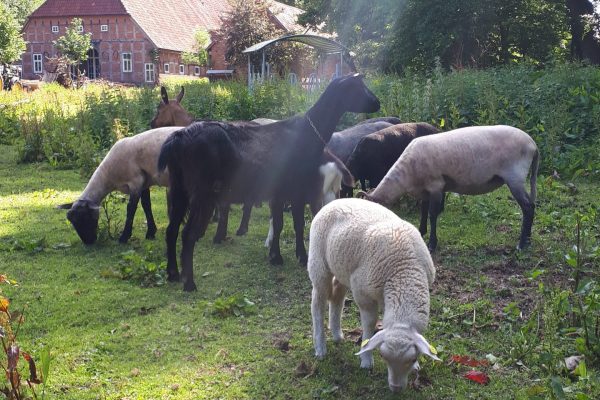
x=364 y=247
x=375 y=153
x=473 y=160
x=214 y=162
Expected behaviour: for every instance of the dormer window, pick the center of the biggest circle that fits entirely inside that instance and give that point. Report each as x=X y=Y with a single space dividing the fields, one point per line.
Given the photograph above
x=54 y=28
x=80 y=29
x=103 y=28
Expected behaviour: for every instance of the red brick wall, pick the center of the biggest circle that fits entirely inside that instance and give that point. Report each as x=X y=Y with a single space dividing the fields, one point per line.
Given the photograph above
x=123 y=36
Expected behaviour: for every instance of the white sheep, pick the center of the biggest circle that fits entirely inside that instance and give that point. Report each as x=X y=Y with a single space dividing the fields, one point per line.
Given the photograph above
x=473 y=160
x=129 y=167
x=383 y=260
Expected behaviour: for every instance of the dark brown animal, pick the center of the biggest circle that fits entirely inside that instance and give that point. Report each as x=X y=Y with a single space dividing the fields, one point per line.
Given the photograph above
x=375 y=154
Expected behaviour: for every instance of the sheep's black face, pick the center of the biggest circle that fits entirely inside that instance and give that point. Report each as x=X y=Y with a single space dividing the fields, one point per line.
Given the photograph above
x=84 y=218
x=356 y=95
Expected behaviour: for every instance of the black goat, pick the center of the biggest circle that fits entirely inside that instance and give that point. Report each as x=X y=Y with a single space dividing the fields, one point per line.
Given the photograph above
x=375 y=154
x=215 y=162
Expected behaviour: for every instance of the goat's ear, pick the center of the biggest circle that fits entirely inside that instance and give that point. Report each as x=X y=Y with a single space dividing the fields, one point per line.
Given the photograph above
x=374 y=343
x=164 y=95
x=180 y=95
x=66 y=206
x=424 y=347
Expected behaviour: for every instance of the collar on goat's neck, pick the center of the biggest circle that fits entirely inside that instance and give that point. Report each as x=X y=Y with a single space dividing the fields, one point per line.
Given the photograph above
x=315 y=130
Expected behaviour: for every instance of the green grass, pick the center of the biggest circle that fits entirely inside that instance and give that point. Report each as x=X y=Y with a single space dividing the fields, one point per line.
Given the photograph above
x=112 y=339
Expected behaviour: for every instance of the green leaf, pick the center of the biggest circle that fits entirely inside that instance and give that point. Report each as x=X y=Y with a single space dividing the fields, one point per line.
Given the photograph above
x=557 y=388
x=581 y=370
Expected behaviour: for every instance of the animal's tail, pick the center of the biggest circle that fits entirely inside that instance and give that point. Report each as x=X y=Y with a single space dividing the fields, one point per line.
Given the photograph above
x=168 y=149
x=533 y=177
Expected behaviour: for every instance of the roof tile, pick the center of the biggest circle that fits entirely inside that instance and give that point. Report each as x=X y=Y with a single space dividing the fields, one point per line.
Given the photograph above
x=168 y=24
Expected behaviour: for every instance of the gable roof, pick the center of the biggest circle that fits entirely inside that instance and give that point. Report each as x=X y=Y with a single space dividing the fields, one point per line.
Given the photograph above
x=169 y=24
x=75 y=8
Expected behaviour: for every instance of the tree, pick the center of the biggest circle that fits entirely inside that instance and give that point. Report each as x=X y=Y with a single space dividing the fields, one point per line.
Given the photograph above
x=361 y=25
x=12 y=44
x=248 y=23
x=74 y=45
x=483 y=33
x=21 y=9
x=584 y=22
x=198 y=55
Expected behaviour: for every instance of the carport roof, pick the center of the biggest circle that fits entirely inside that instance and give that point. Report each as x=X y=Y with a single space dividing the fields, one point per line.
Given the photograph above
x=319 y=42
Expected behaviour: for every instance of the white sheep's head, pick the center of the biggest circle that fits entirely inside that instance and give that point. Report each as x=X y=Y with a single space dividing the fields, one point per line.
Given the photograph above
x=84 y=216
x=400 y=347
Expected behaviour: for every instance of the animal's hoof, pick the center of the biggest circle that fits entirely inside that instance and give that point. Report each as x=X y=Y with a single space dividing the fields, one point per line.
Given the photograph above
x=189 y=287
x=124 y=239
x=241 y=231
x=276 y=259
x=523 y=245
x=303 y=260
x=338 y=337
x=151 y=234
x=432 y=247
x=218 y=240
x=173 y=277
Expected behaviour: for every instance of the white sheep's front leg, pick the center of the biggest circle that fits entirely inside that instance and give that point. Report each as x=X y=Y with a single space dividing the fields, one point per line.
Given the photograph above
x=336 y=306
x=319 y=301
x=368 y=320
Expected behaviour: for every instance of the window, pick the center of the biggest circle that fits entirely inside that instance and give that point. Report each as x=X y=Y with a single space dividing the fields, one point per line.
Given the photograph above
x=126 y=57
x=37 y=63
x=196 y=70
x=149 y=72
x=54 y=28
x=103 y=28
x=166 y=68
x=80 y=28
x=181 y=69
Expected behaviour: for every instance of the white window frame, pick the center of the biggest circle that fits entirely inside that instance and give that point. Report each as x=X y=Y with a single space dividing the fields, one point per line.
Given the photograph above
x=38 y=63
x=126 y=62
x=55 y=29
x=167 y=67
x=149 y=72
x=104 y=28
x=197 y=70
x=80 y=28
x=181 y=69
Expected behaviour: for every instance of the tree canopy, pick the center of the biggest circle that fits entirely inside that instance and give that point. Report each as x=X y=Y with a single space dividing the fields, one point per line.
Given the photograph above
x=393 y=35
x=74 y=44
x=198 y=55
x=11 y=41
x=247 y=24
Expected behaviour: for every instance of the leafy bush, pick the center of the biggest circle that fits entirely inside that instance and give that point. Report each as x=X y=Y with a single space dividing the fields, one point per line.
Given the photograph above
x=141 y=269
x=236 y=305
x=559 y=106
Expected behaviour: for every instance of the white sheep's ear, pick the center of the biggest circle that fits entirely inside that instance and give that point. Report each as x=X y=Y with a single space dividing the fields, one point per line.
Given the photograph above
x=424 y=347
x=374 y=343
